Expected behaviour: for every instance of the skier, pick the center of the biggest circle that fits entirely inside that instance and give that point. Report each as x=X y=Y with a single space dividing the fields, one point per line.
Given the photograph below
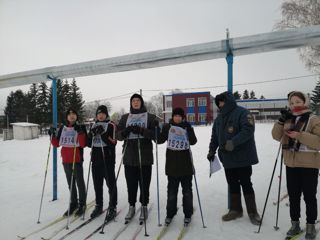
x=179 y=167
x=298 y=130
x=137 y=129
x=72 y=139
x=233 y=136
x=102 y=139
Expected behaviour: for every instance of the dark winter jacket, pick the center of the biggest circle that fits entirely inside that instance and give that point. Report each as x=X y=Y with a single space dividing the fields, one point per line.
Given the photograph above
x=67 y=153
x=178 y=162
x=131 y=155
x=237 y=124
x=108 y=138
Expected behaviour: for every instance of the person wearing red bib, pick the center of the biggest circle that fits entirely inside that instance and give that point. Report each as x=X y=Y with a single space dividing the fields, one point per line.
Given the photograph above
x=72 y=139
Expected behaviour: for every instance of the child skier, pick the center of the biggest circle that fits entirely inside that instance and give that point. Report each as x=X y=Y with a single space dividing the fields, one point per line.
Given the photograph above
x=179 y=167
x=102 y=139
x=298 y=130
x=137 y=129
x=72 y=139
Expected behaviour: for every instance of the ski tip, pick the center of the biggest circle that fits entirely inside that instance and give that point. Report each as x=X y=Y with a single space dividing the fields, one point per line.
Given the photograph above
x=21 y=237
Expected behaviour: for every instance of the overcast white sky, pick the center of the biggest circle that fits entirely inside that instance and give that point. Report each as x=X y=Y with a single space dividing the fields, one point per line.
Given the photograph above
x=41 y=33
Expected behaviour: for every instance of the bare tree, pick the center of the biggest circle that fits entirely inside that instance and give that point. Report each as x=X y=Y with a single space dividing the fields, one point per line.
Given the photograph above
x=155 y=105
x=116 y=116
x=91 y=107
x=301 y=13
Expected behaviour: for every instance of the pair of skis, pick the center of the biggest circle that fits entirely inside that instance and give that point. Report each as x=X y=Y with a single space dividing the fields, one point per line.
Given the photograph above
x=181 y=233
x=50 y=224
x=127 y=223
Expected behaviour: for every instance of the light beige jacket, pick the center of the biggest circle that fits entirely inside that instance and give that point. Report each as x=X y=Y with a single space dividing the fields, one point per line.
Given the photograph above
x=308 y=155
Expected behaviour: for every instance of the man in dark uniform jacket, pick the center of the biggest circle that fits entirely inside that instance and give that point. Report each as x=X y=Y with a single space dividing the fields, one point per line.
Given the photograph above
x=233 y=136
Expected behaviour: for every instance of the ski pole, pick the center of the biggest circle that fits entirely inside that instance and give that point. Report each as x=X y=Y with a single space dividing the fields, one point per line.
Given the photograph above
x=72 y=179
x=157 y=168
x=113 y=189
x=195 y=181
x=44 y=180
x=267 y=197
x=87 y=188
x=280 y=180
x=142 y=189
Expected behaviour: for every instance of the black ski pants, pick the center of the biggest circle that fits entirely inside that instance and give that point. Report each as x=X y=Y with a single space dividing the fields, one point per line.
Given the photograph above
x=78 y=181
x=187 y=197
x=303 y=180
x=104 y=171
x=133 y=179
x=239 y=177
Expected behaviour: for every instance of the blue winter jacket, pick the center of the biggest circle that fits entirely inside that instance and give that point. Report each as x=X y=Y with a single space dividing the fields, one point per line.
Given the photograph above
x=237 y=124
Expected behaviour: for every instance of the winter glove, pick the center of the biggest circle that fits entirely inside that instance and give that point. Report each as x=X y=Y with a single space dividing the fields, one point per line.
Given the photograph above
x=125 y=133
x=186 y=126
x=52 y=132
x=137 y=130
x=229 y=146
x=285 y=115
x=97 y=130
x=211 y=156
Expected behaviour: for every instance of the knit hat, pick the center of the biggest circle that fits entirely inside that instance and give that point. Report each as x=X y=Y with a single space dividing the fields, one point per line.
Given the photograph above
x=102 y=109
x=71 y=110
x=178 y=111
x=137 y=96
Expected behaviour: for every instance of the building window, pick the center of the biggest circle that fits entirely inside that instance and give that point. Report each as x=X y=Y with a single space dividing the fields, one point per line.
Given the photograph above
x=191 y=117
x=202 y=101
x=202 y=117
x=190 y=102
x=169 y=104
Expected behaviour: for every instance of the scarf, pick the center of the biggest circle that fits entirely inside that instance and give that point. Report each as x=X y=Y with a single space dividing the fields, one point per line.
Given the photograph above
x=298 y=126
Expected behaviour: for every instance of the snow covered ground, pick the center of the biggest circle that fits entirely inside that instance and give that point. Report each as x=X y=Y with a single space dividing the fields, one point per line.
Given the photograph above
x=22 y=165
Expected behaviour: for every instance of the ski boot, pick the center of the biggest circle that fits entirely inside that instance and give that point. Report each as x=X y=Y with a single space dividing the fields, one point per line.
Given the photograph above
x=295 y=229
x=130 y=214
x=81 y=210
x=167 y=221
x=143 y=213
x=96 y=211
x=71 y=209
x=111 y=213
x=310 y=231
x=187 y=221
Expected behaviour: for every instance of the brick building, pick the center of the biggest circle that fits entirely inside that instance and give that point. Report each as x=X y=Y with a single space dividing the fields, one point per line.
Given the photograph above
x=198 y=106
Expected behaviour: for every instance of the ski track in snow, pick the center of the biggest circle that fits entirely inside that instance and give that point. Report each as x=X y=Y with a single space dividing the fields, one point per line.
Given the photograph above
x=22 y=172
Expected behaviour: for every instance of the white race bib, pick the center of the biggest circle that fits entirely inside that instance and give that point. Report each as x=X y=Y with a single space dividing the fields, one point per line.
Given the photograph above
x=177 y=139
x=140 y=120
x=96 y=140
x=68 y=137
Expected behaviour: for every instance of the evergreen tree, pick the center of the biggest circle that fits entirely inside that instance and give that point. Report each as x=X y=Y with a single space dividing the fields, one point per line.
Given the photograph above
x=16 y=107
x=31 y=104
x=9 y=109
x=75 y=100
x=252 y=95
x=315 y=98
x=43 y=103
x=245 y=94
x=237 y=95
x=62 y=108
x=262 y=97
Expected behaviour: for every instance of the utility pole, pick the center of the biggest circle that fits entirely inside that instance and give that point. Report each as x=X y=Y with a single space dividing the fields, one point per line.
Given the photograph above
x=141 y=92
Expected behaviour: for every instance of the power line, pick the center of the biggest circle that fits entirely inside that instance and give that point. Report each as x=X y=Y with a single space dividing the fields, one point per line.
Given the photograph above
x=238 y=84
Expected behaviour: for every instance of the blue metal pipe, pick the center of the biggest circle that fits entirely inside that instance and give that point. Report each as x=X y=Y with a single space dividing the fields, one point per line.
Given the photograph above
x=55 y=124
